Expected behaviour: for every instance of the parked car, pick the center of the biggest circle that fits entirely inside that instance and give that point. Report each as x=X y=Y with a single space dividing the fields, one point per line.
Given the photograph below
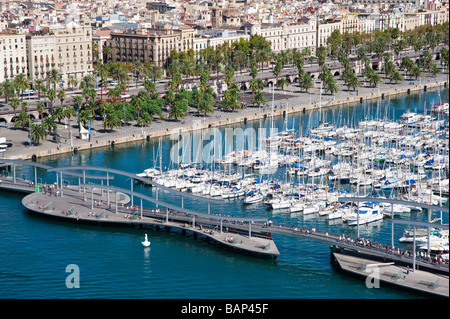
x=114 y=82
x=28 y=92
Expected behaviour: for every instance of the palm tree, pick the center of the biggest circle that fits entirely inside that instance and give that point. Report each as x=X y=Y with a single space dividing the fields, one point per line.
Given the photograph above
x=144 y=119
x=207 y=102
x=50 y=124
x=87 y=81
x=38 y=132
x=7 y=90
x=24 y=106
x=111 y=120
x=72 y=81
x=101 y=70
x=15 y=104
x=395 y=76
x=59 y=114
x=259 y=99
x=68 y=112
x=149 y=85
x=137 y=68
x=61 y=96
x=51 y=95
x=282 y=83
x=78 y=100
x=178 y=110
x=374 y=78
x=54 y=76
x=306 y=82
x=40 y=106
x=21 y=82
x=23 y=120
x=256 y=85
x=352 y=81
x=39 y=85
x=107 y=51
x=277 y=69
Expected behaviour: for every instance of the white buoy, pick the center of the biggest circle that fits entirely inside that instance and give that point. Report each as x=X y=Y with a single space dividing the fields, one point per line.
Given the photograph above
x=146 y=243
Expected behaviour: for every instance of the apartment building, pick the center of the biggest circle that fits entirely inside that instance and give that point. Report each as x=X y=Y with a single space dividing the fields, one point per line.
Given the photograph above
x=283 y=36
x=41 y=51
x=13 y=55
x=153 y=45
x=73 y=45
x=324 y=30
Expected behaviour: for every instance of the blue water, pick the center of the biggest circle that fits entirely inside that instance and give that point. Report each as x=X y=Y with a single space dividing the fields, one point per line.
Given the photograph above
x=35 y=251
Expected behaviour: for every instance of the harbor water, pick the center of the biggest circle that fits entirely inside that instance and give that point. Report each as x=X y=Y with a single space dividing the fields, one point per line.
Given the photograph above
x=35 y=252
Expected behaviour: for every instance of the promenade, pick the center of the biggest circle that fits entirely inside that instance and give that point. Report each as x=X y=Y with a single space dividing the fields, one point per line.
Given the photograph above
x=291 y=100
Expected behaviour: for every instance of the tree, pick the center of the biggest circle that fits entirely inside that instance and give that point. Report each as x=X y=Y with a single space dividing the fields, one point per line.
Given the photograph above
x=206 y=105
x=72 y=82
x=59 y=114
x=395 y=76
x=373 y=78
x=331 y=85
x=51 y=95
x=50 y=124
x=254 y=71
x=22 y=120
x=256 y=85
x=21 y=82
x=282 y=83
x=277 y=69
x=39 y=85
x=229 y=76
x=15 y=104
x=231 y=99
x=78 y=100
x=306 y=82
x=144 y=119
x=54 y=76
x=40 y=106
x=415 y=71
x=179 y=109
x=7 y=90
x=61 y=96
x=149 y=85
x=111 y=120
x=352 y=81
x=435 y=70
x=334 y=41
x=259 y=99
x=38 y=133
x=68 y=112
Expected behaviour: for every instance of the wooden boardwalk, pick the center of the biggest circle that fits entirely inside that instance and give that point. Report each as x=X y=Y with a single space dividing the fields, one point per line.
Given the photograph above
x=389 y=273
x=72 y=206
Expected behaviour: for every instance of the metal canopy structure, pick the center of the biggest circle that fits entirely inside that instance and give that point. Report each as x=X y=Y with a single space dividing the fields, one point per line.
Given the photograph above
x=134 y=177
x=174 y=207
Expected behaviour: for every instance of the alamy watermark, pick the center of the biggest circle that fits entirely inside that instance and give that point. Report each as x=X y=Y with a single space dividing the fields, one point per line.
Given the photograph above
x=204 y=146
x=73 y=279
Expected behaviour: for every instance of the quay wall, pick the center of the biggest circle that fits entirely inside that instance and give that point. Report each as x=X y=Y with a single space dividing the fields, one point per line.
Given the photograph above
x=242 y=116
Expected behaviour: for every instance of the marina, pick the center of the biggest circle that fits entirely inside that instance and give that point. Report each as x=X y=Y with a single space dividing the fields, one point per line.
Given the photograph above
x=251 y=219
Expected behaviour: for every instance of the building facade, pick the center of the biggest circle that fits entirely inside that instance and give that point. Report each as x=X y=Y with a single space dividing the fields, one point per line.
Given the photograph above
x=13 y=56
x=40 y=55
x=73 y=45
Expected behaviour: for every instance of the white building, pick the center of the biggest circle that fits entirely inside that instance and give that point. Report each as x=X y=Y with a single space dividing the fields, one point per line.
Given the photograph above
x=13 y=56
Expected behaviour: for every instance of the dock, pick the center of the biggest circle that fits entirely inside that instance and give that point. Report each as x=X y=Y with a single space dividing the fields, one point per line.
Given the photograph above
x=75 y=208
x=394 y=275
x=110 y=205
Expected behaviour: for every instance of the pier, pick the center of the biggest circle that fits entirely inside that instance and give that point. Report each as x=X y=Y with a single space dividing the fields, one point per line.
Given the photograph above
x=110 y=205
